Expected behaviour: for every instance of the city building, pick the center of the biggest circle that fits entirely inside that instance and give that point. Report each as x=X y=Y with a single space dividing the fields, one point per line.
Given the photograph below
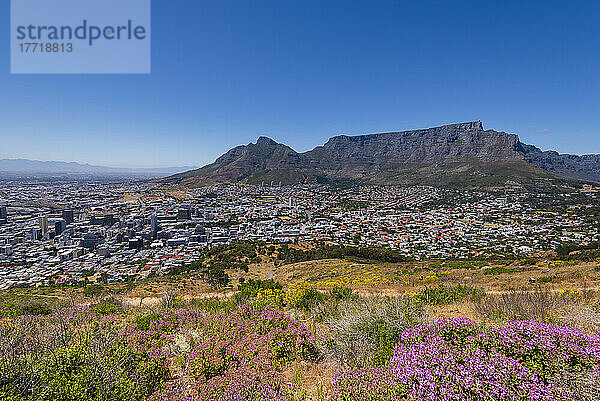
x=60 y=226
x=67 y=216
x=43 y=224
x=3 y=215
x=153 y=225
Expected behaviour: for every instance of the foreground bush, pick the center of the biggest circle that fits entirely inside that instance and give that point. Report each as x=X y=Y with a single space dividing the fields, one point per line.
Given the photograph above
x=444 y=295
x=365 y=331
x=302 y=296
x=74 y=355
x=459 y=360
x=234 y=385
x=227 y=356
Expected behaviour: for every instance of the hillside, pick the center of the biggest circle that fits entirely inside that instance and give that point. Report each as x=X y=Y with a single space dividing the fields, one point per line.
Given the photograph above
x=462 y=154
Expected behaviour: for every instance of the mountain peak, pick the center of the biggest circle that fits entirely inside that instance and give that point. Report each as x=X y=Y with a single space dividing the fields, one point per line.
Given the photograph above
x=266 y=141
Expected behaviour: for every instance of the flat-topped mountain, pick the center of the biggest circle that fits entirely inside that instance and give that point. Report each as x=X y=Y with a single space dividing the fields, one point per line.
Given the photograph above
x=451 y=155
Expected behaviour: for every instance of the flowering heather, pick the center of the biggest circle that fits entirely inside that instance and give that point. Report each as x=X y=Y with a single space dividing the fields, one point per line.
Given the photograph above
x=234 y=355
x=376 y=384
x=455 y=359
x=74 y=355
x=234 y=385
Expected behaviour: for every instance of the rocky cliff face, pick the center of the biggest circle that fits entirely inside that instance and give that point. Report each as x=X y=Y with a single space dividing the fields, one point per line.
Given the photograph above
x=457 y=143
x=586 y=167
x=454 y=155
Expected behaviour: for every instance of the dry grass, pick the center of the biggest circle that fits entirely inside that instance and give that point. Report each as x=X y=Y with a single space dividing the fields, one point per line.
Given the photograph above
x=573 y=307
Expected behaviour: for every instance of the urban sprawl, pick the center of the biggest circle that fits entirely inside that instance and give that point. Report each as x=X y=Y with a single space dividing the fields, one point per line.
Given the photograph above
x=65 y=232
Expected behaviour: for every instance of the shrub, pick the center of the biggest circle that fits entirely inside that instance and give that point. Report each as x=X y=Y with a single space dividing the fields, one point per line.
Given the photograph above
x=273 y=297
x=237 y=384
x=302 y=296
x=145 y=322
x=13 y=306
x=240 y=354
x=212 y=304
x=378 y=384
x=269 y=291
x=107 y=306
x=545 y=279
x=93 y=290
x=444 y=295
x=72 y=355
x=341 y=293
x=455 y=359
x=171 y=300
x=499 y=270
x=364 y=332
x=537 y=304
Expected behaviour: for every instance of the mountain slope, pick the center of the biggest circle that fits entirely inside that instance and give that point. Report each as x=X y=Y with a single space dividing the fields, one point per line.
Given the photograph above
x=244 y=162
x=586 y=167
x=462 y=154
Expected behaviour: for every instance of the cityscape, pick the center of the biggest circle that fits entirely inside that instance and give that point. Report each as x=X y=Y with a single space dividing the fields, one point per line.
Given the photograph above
x=73 y=232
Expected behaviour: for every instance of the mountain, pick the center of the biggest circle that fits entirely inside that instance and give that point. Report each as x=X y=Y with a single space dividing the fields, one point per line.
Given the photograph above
x=14 y=167
x=586 y=167
x=462 y=154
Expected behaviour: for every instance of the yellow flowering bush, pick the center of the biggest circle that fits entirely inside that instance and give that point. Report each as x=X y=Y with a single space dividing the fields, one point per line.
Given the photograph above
x=571 y=294
x=270 y=296
x=302 y=295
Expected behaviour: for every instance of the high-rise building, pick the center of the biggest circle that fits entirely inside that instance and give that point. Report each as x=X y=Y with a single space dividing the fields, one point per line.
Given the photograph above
x=136 y=243
x=43 y=220
x=108 y=220
x=183 y=215
x=60 y=226
x=67 y=216
x=153 y=225
x=3 y=215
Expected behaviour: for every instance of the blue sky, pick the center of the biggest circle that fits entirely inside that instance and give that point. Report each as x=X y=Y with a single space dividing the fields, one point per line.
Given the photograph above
x=226 y=72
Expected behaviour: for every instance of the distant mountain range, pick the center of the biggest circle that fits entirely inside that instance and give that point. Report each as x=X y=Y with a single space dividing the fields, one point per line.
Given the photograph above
x=462 y=154
x=14 y=167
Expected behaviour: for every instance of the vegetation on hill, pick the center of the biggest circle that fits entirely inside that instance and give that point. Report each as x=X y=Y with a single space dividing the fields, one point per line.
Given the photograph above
x=298 y=343
x=288 y=254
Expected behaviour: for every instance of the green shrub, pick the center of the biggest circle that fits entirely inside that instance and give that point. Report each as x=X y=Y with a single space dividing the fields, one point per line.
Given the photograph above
x=444 y=295
x=107 y=306
x=77 y=373
x=250 y=288
x=303 y=296
x=74 y=356
x=25 y=306
x=37 y=309
x=341 y=293
x=93 y=290
x=144 y=322
x=212 y=304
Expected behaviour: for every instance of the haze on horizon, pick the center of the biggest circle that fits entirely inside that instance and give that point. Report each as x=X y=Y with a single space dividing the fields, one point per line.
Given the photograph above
x=224 y=74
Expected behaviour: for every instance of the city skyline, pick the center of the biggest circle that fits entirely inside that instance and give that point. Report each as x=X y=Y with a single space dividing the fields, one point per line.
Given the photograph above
x=223 y=75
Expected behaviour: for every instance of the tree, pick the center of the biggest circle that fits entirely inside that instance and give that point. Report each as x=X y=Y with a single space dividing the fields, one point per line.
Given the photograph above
x=217 y=277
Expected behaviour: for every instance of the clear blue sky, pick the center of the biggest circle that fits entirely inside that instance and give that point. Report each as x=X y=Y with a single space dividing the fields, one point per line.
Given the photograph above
x=225 y=72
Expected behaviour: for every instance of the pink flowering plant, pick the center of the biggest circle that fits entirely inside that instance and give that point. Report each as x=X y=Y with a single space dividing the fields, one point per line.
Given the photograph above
x=456 y=359
x=240 y=354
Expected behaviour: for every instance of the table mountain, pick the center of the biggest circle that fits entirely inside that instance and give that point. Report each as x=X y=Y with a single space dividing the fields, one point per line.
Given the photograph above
x=462 y=154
